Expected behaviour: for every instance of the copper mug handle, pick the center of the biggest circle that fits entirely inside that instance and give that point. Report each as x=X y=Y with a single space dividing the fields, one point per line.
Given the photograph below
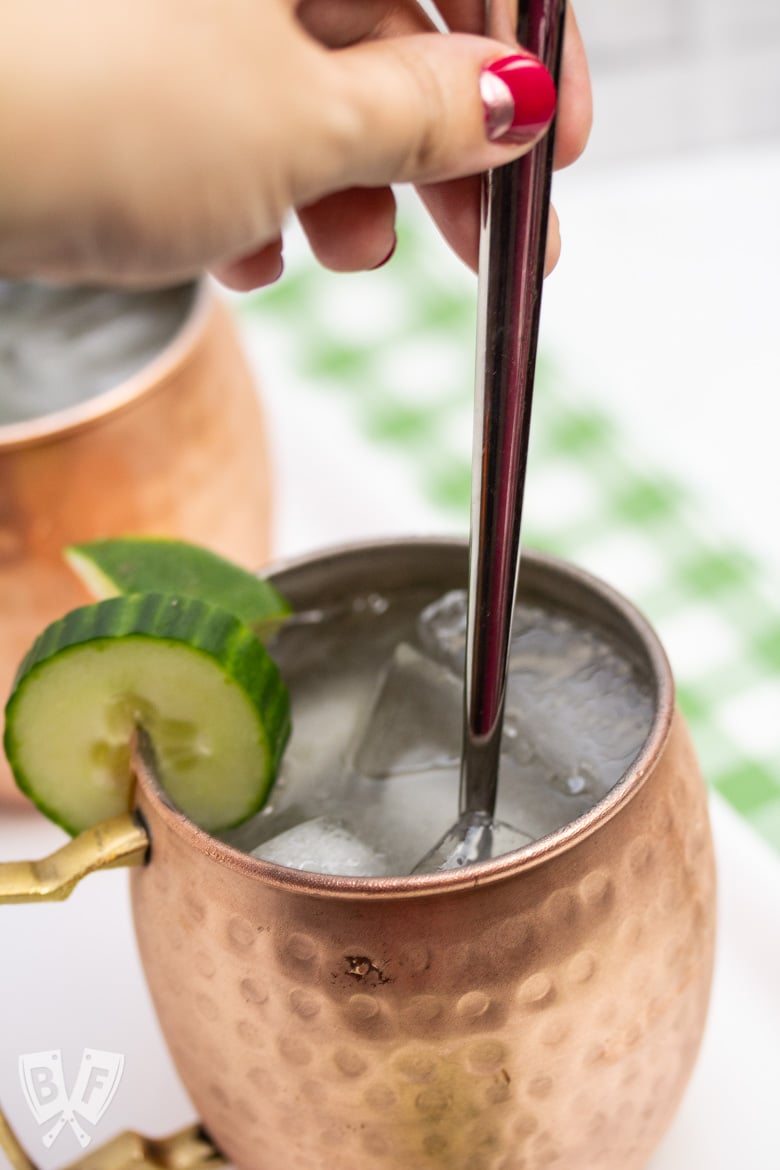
x=120 y=841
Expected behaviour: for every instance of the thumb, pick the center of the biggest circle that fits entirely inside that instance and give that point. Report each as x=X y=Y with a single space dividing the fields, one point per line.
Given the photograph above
x=432 y=107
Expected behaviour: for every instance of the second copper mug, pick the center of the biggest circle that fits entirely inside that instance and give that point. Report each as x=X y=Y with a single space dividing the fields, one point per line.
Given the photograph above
x=178 y=449
x=541 y=1009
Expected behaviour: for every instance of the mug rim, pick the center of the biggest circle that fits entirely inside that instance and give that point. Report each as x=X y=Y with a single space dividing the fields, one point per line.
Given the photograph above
x=482 y=873
x=62 y=423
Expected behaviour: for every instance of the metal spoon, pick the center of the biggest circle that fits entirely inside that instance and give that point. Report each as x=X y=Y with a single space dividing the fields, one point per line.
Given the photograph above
x=513 y=233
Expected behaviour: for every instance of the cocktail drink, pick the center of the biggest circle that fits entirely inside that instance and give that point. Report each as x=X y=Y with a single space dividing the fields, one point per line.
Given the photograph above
x=370 y=779
x=540 y=1008
x=543 y=1007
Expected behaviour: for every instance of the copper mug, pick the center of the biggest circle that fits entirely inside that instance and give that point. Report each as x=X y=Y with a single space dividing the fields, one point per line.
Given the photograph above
x=541 y=1009
x=178 y=449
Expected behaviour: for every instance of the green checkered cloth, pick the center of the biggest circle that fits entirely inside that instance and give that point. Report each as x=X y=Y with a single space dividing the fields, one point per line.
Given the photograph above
x=397 y=347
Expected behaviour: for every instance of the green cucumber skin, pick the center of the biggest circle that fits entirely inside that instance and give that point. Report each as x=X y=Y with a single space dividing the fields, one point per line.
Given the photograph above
x=201 y=573
x=203 y=628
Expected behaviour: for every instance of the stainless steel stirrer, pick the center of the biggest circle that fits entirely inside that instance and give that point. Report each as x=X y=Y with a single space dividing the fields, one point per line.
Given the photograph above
x=515 y=204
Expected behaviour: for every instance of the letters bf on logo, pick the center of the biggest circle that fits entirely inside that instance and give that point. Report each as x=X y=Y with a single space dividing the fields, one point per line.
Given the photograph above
x=43 y=1084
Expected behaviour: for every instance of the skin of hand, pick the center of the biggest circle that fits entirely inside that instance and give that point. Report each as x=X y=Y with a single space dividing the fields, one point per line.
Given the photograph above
x=155 y=139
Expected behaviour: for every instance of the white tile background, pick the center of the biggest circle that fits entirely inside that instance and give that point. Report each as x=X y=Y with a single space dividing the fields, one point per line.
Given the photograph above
x=674 y=74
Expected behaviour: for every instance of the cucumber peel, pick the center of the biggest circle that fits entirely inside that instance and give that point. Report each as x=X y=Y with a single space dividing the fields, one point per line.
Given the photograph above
x=191 y=674
x=152 y=564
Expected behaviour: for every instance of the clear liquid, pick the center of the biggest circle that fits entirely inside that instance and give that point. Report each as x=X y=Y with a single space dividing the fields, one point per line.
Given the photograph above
x=60 y=346
x=370 y=779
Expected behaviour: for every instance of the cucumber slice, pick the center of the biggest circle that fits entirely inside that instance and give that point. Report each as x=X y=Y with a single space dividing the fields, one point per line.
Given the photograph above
x=197 y=680
x=157 y=564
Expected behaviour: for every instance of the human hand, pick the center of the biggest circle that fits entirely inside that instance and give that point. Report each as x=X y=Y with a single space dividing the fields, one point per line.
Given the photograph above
x=156 y=139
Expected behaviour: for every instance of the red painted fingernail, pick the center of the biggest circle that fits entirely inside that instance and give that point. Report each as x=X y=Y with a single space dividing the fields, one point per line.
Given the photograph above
x=519 y=98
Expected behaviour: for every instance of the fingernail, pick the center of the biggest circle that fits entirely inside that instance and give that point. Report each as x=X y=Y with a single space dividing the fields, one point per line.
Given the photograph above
x=519 y=98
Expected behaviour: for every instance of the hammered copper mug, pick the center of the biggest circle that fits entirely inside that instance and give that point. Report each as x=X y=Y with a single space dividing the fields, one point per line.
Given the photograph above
x=540 y=1009
x=178 y=449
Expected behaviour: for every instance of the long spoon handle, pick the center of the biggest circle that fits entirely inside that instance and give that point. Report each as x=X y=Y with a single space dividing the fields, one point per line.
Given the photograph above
x=515 y=204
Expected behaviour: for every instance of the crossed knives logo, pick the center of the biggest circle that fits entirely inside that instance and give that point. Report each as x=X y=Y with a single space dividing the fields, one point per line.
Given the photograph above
x=43 y=1084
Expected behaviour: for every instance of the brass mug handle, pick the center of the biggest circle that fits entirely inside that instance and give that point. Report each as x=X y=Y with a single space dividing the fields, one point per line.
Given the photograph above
x=120 y=841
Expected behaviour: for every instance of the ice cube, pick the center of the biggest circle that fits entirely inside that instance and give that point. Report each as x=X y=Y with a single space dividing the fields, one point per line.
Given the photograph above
x=578 y=715
x=547 y=648
x=414 y=723
x=441 y=629
x=323 y=845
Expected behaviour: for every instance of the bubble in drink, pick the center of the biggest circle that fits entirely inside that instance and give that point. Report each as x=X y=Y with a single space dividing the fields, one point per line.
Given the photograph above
x=377 y=696
x=61 y=346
